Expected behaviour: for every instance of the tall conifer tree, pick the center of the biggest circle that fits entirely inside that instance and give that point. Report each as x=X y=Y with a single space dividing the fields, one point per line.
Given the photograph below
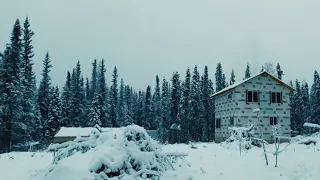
x=114 y=98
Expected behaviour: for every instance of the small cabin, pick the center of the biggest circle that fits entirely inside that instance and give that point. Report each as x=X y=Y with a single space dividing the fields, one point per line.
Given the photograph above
x=66 y=134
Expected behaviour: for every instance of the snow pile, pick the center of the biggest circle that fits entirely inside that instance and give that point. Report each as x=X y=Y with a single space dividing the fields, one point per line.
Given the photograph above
x=128 y=153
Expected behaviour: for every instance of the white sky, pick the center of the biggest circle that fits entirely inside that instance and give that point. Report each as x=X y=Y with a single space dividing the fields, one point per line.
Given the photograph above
x=144 y=38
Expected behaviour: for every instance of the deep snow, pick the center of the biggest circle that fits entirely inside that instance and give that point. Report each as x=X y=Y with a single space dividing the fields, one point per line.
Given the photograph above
x=208 y=161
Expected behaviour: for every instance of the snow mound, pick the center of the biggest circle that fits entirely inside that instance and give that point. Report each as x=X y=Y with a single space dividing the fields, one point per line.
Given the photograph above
x=128 y=153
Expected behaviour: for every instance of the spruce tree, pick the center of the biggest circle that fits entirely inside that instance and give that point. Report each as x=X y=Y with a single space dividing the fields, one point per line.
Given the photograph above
x=224 y=81
x=77 y=97
x=28 y=80
x=44 y=89
x=94 y=112
x=147 y=113
x=87 y=91
x=121 y=108
x=139 y=109
x=94 y=79
x=293 y=108
x=184 y=108
x=156 y=105
x=232 y=77
x=36 y=133
x=196 y=109
x=305 y=106
x=315 y=99
x=212 y=111
x=164 y=125
x=220 y=78
x=247 y=73
x=82 y=106
x=102 y=92
x=175 y=102
x=53 y=124
x=66 y=102
x=114 y=98
x=128 y=106
x=13 y=129
x=298 y=111
x=279 y=71
x=205 y=104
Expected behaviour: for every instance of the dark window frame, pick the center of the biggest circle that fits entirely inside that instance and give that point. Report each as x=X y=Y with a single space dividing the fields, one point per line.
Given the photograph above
x=253 y=96
x=273 y=121
x=276 y=97
x=218 y=123
x=231 y=121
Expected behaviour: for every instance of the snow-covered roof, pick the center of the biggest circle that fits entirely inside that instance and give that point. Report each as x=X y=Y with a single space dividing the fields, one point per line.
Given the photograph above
x=74 y=131
x=82 y=131
x=245 y=80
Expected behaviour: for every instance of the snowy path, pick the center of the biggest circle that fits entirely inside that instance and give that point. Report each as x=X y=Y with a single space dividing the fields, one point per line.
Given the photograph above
x=298 y=163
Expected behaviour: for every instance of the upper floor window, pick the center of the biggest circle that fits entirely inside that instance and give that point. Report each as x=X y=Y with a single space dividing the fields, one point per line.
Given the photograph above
x=218 y=123
x=273 y=121
x=230 y=96
x=275 y=97
x=252 y=96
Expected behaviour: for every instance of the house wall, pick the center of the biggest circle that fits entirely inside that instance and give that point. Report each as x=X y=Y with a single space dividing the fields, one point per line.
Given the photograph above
x=243 y=113
x=63 y=139
x=224 y=109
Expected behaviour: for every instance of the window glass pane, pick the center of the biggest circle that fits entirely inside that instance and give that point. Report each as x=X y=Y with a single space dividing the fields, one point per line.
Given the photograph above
x=249 y=96
x=278 y=97
x=255 y=96
x=275 y=121
x=271 y=121
x=273 y=98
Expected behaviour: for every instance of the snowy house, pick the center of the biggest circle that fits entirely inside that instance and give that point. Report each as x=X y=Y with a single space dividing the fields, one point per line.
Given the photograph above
x=234 y=106
x=70 y=133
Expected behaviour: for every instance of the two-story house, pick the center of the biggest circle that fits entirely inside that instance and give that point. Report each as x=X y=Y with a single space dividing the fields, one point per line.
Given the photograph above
x=234 y=106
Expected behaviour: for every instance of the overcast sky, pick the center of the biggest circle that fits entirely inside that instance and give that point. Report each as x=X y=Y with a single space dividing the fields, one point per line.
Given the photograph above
x=144 y=38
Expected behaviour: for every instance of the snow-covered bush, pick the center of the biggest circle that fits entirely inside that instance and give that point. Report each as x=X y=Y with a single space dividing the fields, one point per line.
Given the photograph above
x=125 y=153
x=242 y=136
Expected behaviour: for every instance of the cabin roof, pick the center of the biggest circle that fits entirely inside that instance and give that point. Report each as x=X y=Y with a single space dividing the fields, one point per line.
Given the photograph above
x=245 y=80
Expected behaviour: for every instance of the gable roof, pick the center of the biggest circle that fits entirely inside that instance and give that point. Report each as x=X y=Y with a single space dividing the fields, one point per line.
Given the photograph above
x=74 y=131
x=81 y=131
x=245 y=80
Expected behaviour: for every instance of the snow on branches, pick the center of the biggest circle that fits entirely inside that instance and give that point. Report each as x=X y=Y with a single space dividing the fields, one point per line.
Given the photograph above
x=241 y=135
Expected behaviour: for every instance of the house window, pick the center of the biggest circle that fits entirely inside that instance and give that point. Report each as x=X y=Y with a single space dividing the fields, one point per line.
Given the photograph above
x=275 y=97
x=230 y=96
x=252 y=96
x=231 y=123
x=218 y=123
x=273 y=121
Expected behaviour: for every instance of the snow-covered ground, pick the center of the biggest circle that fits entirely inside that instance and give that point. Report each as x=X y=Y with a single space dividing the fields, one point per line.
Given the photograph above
x=208 y=161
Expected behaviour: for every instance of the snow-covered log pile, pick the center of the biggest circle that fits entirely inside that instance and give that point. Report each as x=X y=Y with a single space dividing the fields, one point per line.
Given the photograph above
x=128 y=153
